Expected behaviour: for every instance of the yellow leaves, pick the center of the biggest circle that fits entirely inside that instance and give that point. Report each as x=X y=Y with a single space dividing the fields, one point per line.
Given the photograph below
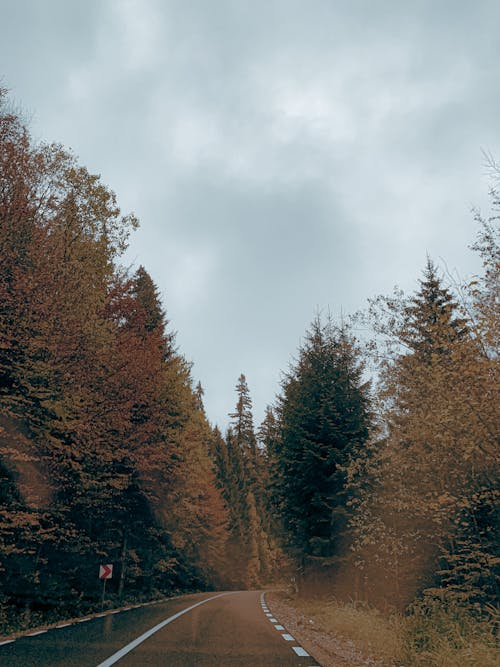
x=164 y=566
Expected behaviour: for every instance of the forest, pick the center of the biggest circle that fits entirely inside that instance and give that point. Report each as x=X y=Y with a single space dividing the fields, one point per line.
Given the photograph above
x=374 y=475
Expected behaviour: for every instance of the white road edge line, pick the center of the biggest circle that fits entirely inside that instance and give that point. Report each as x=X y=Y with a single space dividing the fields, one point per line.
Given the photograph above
x=131 y=646
x=7 y=641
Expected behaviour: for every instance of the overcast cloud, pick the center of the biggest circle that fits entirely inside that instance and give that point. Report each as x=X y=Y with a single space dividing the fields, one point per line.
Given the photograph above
x=282 y=155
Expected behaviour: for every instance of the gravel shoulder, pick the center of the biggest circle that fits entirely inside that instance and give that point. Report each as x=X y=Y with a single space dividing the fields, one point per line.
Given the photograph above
x=327 y=649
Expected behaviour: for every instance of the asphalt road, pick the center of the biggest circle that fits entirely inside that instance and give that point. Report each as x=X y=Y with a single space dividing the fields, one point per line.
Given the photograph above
x=234 y=628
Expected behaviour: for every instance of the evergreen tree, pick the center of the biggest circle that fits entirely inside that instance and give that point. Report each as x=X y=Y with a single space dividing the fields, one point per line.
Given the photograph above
x=155 y=319
x=425 y=508
x=239 y=464
x=431 y=323
x=241 y=447
x=267 y=498
x=242 y=420
x=325 y=417
x=101 y=433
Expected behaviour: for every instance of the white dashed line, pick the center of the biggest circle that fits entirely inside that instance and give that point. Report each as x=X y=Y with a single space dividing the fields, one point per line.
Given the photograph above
x=287 y=637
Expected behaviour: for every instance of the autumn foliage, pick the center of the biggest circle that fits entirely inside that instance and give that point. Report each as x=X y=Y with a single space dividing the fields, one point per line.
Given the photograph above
x=104 y=446
x=383 y=492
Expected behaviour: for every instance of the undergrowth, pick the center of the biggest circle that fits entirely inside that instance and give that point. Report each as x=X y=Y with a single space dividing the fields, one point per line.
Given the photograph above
x=446 y=634
x=432 y=634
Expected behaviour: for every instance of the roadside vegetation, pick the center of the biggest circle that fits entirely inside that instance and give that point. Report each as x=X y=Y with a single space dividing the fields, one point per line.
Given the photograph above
x=431 y=634
x=374 y=475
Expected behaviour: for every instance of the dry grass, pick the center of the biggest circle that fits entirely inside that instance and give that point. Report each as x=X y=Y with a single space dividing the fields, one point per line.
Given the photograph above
x=371 y=633
x=447 y=635
x=434 y=635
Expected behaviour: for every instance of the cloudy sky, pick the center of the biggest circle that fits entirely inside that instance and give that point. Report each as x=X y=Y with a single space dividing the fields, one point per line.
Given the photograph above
x=283 y=156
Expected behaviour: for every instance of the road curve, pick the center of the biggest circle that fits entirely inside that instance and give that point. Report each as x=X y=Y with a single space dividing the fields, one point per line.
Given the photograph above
x=234 y=629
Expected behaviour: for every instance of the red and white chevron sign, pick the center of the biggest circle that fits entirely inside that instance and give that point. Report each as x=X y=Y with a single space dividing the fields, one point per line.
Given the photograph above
x=105 y=571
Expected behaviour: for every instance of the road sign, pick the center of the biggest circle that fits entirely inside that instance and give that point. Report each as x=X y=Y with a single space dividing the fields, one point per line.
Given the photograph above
x=105 y=571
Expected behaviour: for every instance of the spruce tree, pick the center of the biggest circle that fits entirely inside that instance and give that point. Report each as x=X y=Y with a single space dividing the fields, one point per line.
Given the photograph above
x=154 y=317
x=431 y=323
x=242 y=419
x=425 y=512
x=325 y=417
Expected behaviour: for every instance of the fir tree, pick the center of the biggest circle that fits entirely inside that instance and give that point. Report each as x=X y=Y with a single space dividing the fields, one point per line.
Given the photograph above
x=431 y=323
x=324 y=416
x=242 y=419
x=154 y=317
x=425 y=511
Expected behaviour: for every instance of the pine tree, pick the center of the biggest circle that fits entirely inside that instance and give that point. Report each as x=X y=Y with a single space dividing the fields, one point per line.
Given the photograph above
x=155 y=319
x=241 y=447
x=431 y=323
x=419 y=522
x=325 y=417
x=242 y=420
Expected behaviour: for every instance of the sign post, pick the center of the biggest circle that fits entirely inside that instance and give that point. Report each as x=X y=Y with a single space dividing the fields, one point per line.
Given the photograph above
x=105 y=573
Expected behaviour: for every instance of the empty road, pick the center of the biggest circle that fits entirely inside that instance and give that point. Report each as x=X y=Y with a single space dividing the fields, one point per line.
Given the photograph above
x=234 y=628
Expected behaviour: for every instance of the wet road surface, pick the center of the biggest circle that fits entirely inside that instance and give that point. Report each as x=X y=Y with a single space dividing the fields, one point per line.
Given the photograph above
x=234 y=629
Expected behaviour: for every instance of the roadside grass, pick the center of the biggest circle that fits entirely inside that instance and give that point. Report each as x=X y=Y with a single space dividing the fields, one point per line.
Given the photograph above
x=370 y=632
x=439 y=634
x=433 y=634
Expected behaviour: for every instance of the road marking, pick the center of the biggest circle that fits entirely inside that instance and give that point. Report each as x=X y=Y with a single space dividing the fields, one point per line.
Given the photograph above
x=279 y=627
x=131 y=646
x=7 y=641
x=63 y=625
x=33 y=634
x=300 y=651
x=288 y=637
x=83 y=620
